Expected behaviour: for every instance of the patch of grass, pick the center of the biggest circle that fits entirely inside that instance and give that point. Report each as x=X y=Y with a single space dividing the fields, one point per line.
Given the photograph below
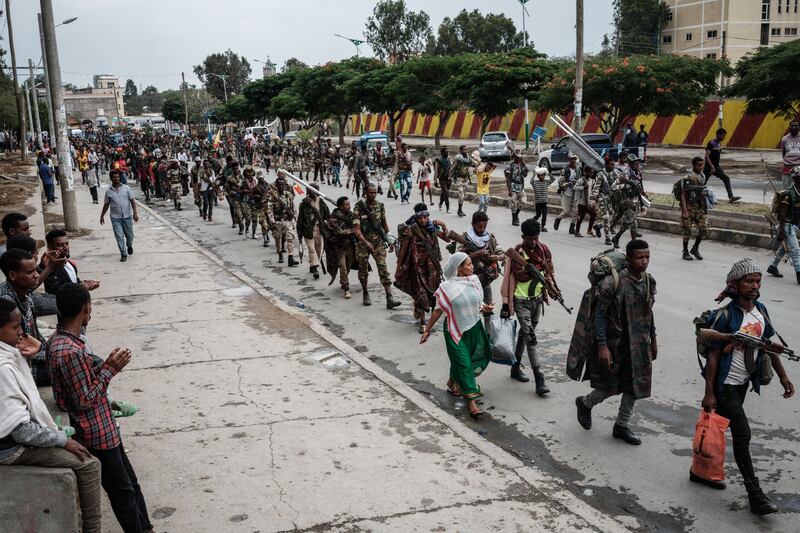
x=739 y=207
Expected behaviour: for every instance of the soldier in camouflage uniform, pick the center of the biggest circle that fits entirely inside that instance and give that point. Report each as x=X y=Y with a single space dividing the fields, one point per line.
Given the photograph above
x=601 y=196
x=195 y=182
x=281 y=216
x=459 y=172
x=624 y=347
x=370 y=228
x=249 y=212
x=625 y=201
x=174 y=180
x=231 y=185
x=515 y=174
x=260 y=206
x=693 y=209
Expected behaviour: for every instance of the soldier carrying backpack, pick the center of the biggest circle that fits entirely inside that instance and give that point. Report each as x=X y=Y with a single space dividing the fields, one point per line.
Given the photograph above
x=614 y=336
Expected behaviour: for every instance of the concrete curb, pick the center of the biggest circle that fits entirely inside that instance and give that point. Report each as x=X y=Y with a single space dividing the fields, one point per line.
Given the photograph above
x=550 y=487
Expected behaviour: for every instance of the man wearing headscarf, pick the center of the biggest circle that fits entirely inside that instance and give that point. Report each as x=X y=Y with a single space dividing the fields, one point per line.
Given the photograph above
x=419 y=260
x=731 y=369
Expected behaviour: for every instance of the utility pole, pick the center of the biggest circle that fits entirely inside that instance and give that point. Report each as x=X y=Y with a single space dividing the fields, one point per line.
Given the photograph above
x=527 y=114
x=185 y=106
x=51 y=125
x=23 y=130
x=578 y=121
x=64 y=159
x=35 y=97
x=27 y=100
x=722 y=76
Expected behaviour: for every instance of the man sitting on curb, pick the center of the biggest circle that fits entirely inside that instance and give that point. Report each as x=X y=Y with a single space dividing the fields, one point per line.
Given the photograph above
x=14 y=224
x=28 y=435
x=80 y=389
x=58 y=246
x=22 y=277
x=43 y=303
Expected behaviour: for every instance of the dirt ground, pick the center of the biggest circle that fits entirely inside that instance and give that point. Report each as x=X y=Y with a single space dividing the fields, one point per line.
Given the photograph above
x=15 y=188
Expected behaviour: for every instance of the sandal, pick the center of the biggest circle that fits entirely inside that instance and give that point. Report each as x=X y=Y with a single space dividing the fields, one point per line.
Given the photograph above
x=122 y=409
x=454 y=390
x=69 y=431
x=476 y=414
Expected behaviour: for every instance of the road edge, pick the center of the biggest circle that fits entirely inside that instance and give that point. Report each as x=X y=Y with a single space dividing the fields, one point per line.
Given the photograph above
x=550 y=487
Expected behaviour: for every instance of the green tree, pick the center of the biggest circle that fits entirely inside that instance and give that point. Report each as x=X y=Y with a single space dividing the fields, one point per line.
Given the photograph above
x=261 y=93
x=235 y=69
x=616 y=89
x=638 y=25
x=293 y=64
x=472 y=32
x=496 y=84
x=436 y=94
x=389 y=89
x=767 y=79
x=151 y=99
x=395 y=33
x=198 y=102
x=172 y=107
x=324 y=90
x=130 y=89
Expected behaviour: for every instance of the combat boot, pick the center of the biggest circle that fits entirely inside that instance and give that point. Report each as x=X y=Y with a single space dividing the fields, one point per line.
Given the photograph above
x=538 y=379
x=314 y=271
x=280 y=257
x=514 y=218
x=696 y=253
x=391 y=303
x=556 y=224
x=772 y=269
x=365 y=295
x=266 y=240
x=759 y=503
x=572 y=228
x=798 y=277
x=460 y=210
x=686 y=255
x=519 y=374
x=608 y=242
x=292 y=262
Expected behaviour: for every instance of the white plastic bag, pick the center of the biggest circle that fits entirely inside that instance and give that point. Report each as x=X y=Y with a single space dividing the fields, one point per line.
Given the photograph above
x=503 y=337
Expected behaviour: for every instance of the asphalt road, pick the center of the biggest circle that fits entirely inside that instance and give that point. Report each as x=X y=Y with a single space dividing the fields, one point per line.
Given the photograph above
x=649 y=484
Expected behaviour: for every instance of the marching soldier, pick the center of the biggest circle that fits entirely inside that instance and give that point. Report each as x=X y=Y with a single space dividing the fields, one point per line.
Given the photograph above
x=460 y=176
x=174 y=180
x=693 y=209
x=310 y=216
x=247 y=191
x=371 y=230
x=515 y=174
x=441 y=174
x=260 y=206
x=280 y=215
x=601 y=197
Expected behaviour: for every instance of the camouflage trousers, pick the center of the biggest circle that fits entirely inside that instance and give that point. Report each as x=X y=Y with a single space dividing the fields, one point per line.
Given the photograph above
x=249 y=214
x=175 y=192
x=697 y=217
x=628 y=220
x=262 y=220
x=379 y=254
x=516 y=200
x=236 y=209
x=283 y=231
x=460 y=185
x=604 y=214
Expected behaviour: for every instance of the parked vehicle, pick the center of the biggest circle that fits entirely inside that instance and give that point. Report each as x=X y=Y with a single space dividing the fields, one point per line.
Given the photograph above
x=556 y=157
x=115 y=139
x=496 y=145
x=291 y=136
x=372 y=138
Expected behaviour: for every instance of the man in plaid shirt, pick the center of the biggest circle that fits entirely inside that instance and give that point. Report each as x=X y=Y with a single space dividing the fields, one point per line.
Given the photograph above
x=19 y=268
x=79 y=388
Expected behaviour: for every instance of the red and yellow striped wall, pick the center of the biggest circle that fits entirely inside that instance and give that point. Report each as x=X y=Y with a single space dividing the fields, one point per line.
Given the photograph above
x=744 y=131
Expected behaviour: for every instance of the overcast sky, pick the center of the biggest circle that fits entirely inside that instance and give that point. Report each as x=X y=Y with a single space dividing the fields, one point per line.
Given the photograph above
x=152 y=41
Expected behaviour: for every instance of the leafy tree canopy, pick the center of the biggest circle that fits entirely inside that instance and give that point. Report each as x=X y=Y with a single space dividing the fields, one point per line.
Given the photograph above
x=395 y=33
x=472 y=32
x=234 y=68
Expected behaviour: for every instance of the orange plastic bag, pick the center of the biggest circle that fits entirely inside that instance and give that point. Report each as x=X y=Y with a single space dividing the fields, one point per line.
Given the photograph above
x=708 y=446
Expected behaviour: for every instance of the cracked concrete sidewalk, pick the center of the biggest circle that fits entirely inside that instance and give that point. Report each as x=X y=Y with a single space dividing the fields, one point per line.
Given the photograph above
x=254 y=417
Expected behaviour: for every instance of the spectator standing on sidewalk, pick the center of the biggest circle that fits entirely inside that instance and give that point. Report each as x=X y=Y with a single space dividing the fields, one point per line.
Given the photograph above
x=643 y=135
x=119 y=199
x=790 y=150
x=80 y=389
x=540 y=183
x=46 y=173
x=712 y=168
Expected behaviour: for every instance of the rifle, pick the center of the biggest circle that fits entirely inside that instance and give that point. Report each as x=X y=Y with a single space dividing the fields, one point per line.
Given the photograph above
x=307 y=186
x=749 y=341
x=550 y=286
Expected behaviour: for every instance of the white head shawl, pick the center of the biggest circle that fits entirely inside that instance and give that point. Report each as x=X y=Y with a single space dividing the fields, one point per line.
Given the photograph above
x=450 y=269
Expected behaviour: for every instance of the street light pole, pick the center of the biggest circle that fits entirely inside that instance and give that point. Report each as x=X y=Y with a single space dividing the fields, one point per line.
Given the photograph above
x=64 y=159
x=35 y=97
x=578 y=122
x=224 y=83
x=23 y=133
x=27 y=98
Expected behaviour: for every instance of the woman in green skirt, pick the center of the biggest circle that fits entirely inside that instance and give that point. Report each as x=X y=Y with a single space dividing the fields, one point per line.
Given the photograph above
x=460 y=298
